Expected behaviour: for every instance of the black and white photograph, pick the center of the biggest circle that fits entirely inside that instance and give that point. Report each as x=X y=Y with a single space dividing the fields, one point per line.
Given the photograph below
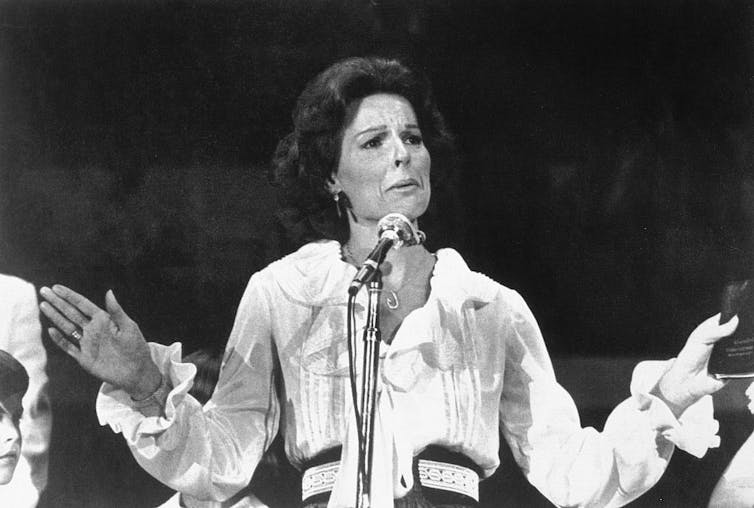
x=376 y=253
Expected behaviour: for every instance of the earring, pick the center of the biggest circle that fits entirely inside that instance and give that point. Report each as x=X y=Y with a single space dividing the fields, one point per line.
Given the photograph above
x=336 y=198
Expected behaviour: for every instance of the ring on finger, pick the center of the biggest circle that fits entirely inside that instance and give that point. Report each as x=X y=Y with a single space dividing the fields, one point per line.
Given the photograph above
x=76 y=335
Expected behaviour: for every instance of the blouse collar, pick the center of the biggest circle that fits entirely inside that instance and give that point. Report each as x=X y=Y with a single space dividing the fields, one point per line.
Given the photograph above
x=316 y=275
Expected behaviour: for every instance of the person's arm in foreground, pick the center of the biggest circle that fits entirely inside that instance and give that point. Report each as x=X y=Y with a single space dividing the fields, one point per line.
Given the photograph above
x=206 y=452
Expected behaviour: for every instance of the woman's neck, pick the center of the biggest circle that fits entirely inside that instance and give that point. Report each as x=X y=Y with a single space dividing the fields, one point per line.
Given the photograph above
x=362 y=238
x=398 y=262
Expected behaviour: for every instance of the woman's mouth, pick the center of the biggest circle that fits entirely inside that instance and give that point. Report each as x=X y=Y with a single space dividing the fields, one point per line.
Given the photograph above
x=407 y=184
x=12 y=451
x=9 y=457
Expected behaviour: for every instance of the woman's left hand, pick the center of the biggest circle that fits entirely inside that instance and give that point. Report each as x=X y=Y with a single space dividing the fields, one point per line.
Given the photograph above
x=688 y=380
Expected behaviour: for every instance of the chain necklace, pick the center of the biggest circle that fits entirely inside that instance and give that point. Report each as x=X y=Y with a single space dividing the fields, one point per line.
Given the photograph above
x=391 y=299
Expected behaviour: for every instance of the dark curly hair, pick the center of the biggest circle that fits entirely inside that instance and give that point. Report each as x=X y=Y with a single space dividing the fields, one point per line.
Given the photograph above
x=306 y=158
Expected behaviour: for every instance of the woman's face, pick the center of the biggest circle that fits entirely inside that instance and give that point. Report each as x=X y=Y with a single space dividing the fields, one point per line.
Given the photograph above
x=10 y=445
x=384 y=164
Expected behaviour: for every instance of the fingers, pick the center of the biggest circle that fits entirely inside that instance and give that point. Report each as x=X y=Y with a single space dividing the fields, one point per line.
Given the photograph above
x=710 y=385
x=63 y=343
x=710 y=330
x=115 y=310
x=716 y=384
x=64 y=307
x=59 y=320
x=75 y=299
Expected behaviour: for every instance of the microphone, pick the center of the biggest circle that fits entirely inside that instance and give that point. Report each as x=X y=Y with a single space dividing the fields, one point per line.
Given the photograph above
x=394 y=230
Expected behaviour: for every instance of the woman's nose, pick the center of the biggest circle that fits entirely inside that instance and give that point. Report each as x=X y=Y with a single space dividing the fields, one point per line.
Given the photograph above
x=7 y=434
x=8 y=431
x=402 y=155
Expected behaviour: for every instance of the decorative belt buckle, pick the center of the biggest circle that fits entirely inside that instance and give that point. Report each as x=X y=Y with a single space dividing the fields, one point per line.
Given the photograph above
x=450 y=477
x=319 y=479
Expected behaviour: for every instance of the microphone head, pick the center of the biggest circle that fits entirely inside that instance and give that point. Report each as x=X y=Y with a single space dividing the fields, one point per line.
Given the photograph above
x=398 y=228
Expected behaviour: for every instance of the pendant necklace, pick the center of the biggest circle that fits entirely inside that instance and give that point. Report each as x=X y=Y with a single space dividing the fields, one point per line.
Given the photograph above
x=392 y=301
x=391 y=298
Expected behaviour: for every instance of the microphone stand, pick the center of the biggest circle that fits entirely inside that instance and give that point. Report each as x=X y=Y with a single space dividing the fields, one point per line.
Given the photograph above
x=372 y=339
x=395 y=230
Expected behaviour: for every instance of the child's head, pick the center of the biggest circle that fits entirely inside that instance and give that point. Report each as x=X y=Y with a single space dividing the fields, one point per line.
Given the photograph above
x=13 y=384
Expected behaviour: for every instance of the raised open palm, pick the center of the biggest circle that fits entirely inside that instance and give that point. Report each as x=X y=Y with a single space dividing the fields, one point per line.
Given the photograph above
x=106 y=343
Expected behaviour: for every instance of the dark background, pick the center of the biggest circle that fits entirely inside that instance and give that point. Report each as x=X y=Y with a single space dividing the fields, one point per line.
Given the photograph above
x=606 y=174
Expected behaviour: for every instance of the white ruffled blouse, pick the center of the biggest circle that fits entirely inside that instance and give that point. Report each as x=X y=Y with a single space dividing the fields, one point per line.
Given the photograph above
x=464 y=368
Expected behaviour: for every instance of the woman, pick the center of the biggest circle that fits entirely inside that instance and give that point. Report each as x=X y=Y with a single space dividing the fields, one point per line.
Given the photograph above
x=463 y=360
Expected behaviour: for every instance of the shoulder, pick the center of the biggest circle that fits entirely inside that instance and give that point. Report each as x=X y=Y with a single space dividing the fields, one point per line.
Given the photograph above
x=497 y=310
x=452 y=272
x=311 y=275
x=312 y=252
x=305 y=263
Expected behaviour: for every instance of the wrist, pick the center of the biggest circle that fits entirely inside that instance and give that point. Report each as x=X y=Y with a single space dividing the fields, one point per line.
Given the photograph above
x=156 y=400
x=676 y=402
x=150 y=380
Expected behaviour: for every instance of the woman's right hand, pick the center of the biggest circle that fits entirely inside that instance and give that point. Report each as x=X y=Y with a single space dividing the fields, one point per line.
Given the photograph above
x=112 y=347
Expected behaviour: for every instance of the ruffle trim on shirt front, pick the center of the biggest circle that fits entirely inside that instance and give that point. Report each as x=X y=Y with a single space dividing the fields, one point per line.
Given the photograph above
x=456 y=283
x=115 y=407
x=453 y=287
x=694 y=432
x=315 y=275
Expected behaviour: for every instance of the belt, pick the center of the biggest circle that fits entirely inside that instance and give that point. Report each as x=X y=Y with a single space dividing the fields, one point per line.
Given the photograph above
x=444 y=476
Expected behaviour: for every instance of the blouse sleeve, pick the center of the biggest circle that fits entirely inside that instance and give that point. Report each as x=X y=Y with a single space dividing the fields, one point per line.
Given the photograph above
x=209 y=452
x=575 y=466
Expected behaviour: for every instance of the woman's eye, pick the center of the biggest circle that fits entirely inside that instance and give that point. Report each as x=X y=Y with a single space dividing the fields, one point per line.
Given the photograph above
x=414 y=139
x=372 y=143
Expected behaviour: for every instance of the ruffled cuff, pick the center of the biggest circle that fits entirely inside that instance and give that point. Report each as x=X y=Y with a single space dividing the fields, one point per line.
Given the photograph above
x=116 y=408
x=694 y=432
